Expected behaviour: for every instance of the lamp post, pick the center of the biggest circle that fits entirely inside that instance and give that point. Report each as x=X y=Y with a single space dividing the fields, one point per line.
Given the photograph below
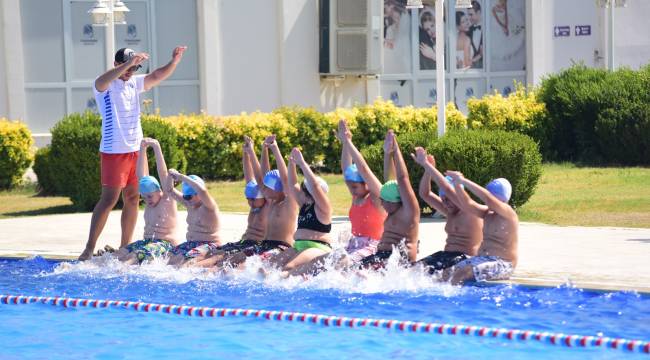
x=440 y=54
x=611 y=4
x=109 y=13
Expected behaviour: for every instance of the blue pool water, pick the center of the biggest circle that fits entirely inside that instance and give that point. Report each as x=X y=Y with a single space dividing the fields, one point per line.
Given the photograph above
x=39 y=331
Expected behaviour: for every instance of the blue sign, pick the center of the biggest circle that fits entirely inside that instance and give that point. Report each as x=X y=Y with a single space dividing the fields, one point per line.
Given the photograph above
x=583 y=30
x=560 y=31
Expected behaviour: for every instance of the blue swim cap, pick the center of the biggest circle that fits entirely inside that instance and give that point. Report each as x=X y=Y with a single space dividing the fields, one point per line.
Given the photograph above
x=187 y=189
x=148 y=184
x=252 y=191
x=273 y=181
x=441 y=192
x=351 y=173
x=500 y=188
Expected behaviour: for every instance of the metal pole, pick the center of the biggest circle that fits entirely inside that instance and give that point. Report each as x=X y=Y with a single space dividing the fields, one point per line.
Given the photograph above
x=610 y=58
x=110 y=37
x=440 y=66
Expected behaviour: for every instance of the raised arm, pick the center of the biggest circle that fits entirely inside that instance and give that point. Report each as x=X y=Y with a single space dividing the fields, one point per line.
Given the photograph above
x=169 y=188
x=161 y=165
x=389 y=164
x=409 y=200
x=427 y=195
x=293 y=190
x=342 y=134
x=464 y=201
x=279 y=160
x=249 y=173
x=201 y=191
x=323 y=206
x=142 y=167
x=104 y=80
x=157 y=76
x=428 y=162
x=494 y=204
x=374 y=185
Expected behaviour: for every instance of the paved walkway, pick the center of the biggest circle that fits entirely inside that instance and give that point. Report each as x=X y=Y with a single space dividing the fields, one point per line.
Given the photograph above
x=597 y=258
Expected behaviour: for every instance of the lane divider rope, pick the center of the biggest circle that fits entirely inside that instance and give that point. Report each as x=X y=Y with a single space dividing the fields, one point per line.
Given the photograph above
x=558 y=339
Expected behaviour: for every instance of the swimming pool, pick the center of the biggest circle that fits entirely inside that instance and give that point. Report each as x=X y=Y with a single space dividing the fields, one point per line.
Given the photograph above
x=38 y=331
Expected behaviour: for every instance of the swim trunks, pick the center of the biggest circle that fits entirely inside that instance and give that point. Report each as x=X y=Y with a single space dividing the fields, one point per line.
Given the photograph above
x=361 y=247
x=300 y=245
x=235 y=247
x=193 y=249
x=488 y=267
x=443 y=259
x=149 y=248
x=266 y=247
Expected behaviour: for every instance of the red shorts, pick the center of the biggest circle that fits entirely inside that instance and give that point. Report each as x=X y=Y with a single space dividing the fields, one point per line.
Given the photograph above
x=118 y=170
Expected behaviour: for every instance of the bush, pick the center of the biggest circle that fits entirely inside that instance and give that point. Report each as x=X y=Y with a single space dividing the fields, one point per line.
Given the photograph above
x=520 y=111
x=481 y=155
x=15 y=152
x=43 y=169
x=74 y=155
x=596 y=116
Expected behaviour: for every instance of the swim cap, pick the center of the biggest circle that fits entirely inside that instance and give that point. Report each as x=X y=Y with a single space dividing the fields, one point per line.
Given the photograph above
x=351 y=173
x=323 y=185
x=441 y=192
x=500 y=188
x=273 y=181
x=148 y=184
x=390 y=192
x=187 y=189
x=252 y=191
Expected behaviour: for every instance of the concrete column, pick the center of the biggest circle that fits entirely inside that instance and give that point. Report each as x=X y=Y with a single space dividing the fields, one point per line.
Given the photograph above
x=209 y=36
x=12 y=53
x=538 y=33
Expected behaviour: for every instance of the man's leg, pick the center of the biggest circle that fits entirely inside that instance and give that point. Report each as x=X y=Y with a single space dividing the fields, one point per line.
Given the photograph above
x=106 y=203
x=131 y=199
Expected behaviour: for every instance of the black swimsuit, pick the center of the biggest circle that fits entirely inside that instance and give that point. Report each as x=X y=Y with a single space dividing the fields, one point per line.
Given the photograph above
x=307 y=220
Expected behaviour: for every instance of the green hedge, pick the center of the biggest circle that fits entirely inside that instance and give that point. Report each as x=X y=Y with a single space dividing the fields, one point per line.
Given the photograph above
x=15 y=152
x=43 y=169
x=481 y=155
x=596 y=116
x=212 y=145
x=73 y=166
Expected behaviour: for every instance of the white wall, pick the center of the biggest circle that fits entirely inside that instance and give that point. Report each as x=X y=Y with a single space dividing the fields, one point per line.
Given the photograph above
x=249 y=72
x=632 y=35
x=4 y=109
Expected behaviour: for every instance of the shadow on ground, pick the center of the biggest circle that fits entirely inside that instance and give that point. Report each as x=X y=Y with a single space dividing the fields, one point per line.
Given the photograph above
x=60 y=209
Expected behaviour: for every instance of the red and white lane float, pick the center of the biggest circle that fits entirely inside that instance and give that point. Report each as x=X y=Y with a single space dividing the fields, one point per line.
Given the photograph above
x=558 y=339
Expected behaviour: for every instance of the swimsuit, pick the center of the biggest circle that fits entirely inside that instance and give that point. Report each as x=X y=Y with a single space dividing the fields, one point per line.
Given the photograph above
x=149 y=248
x=367 y=220
x=193 y=249
x=266 y=246
x=361 y=247
x=238 y=246
x=307 y=220
x=488 y=267
x=442 y=260
x=300 y=245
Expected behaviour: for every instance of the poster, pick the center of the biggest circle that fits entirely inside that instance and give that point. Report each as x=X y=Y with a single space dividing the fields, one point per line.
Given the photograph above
x=505 y=85
x=508 y=35
x=397 y=37
x=427 y=36
x=427 y=93
x=469 y=37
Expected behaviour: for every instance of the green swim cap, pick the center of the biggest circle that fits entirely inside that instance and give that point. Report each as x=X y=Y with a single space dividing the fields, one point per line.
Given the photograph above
x=390 y=192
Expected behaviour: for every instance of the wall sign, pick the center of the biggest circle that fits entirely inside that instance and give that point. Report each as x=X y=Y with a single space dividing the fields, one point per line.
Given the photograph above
x=560 y=31
x=583 y=30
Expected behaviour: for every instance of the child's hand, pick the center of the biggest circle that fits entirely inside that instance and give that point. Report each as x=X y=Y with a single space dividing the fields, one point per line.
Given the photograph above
x=420 y=155
x=343 y=132
x=296 y=155
x=389 y=142
x=270 y=142
x=431 y=160
x=248 y=143
x=456 y=176
x=174 y=174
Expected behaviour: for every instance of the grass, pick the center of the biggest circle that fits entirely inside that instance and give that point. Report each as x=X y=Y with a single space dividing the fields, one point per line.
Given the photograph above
x=566 y=195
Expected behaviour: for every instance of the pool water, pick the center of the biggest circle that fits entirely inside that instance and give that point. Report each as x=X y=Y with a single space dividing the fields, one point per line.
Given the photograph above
x=39 y=331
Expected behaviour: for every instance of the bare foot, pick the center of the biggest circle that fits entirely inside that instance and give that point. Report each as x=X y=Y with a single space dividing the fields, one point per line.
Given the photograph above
x=86 y=255
x=109 y=249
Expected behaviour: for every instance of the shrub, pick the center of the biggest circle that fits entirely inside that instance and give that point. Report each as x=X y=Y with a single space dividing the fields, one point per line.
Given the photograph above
x=520 y=111
x=15 y=152
x=74 y=155
x=43 y=169
x=596 y=116
x=481 y=155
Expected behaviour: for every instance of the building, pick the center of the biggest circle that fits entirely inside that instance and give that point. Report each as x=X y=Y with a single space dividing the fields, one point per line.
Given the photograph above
x=247 y=55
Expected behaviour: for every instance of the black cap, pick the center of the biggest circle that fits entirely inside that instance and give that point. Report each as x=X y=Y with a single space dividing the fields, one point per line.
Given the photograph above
x=125 y=54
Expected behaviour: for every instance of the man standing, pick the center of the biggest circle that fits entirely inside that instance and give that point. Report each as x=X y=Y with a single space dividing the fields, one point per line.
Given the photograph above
x=476 y=34
x=117 y=93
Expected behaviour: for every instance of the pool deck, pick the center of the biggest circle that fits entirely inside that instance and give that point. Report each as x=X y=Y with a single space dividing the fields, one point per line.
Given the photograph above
x=603 y=258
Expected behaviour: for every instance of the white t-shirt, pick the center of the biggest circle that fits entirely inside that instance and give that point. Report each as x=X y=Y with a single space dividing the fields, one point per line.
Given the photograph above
x=119 y=107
